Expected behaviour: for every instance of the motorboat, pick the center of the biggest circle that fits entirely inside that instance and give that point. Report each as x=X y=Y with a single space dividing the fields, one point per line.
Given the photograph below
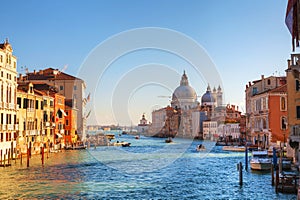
x=234 y=148
x=260 y=161
x=169 y=140
x=123 y=144
x=200 y=147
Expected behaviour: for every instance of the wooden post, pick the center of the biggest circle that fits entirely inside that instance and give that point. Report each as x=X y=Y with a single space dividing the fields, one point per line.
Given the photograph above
x=28 y=155
x=8 y=161
x=43 y=156
x=21 y=157
x=277 y=180
x=241 y=173
x=280 y=162
x=246 y=158
x=4 y=159
x=272 y=173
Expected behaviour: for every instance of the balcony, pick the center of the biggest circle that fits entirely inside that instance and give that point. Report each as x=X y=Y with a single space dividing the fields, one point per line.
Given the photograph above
x=11 y=106
x=3 y=127
x=47 y=124
x=10 y=127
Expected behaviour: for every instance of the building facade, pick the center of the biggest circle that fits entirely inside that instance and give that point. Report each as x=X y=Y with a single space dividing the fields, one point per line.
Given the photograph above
x=264 y=111
x=8 y=105
x=69 y=86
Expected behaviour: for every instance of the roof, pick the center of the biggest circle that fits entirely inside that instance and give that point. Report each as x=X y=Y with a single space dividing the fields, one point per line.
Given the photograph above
x=50 y=74
x=282 y=89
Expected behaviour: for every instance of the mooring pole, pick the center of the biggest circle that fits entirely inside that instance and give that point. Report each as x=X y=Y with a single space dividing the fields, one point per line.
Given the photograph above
x=28 y=155
x=241 y=173
x=272 y=173
x=246 y=158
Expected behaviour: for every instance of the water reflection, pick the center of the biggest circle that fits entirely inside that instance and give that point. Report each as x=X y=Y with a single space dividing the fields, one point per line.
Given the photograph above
x=79 y=175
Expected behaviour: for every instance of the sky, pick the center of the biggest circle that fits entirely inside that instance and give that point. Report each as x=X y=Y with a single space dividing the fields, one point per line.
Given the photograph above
x=243 y=39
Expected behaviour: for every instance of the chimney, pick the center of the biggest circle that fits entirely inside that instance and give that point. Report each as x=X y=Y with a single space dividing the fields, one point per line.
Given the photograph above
x=34 y=72
x=20 y=77
x=262 y=77
x=289 y=63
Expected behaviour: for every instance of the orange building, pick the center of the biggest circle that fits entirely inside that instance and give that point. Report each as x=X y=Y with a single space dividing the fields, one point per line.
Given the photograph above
x=278 y=114
x=59 y=117
x=70 y=135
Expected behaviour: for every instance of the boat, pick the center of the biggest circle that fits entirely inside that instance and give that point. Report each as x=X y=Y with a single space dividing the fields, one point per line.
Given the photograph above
x=286 y=163
x=137 y=137
x=234 y=148
x=169 y=140
x=123 y=144
x=260 y=161
x=126 y=144
x=124 y=132
x=200 y=147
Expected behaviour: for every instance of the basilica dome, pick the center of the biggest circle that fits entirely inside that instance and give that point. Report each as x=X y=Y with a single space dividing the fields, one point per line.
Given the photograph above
x=184 y=92
x=184 y=95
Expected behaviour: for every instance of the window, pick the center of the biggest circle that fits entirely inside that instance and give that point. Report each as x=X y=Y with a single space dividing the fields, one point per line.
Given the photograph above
x=283 y=123
x=75 y=87
x=1 y=74
x=2 y=118
x=269 y=82
x=67 y=122
x=19 y=101
x=61 y=87
x=36 y=104
x=283 y=103
x=15 y=64
x=1 y=58
x=51 y=103
x=67 y=113
x=42 y=105
x=254 y=91
x=297 y=85
x=298 y=112
x=25 y=103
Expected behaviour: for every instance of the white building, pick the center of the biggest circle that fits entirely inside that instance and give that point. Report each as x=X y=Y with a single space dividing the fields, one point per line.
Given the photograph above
x=229 y=129
x=210 y=130
x=8 y=108
x=143 y=125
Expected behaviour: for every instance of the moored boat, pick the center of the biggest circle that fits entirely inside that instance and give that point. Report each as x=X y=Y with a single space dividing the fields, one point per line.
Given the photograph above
x=260 y=161
x=234 y=148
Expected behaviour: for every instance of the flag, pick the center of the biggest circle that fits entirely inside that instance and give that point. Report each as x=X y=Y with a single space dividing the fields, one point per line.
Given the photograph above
x=88 y=97
x=292 y=22
x=88 y=114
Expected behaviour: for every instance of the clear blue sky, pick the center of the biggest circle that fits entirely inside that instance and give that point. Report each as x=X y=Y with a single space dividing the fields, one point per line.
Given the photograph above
x=245 y=39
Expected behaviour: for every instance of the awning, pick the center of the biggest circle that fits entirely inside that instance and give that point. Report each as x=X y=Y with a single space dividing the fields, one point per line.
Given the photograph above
x=59 y=135
x=63 y=112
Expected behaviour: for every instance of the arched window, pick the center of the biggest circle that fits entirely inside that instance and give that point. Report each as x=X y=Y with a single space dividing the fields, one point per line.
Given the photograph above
x=283 y=123
x=283 y=103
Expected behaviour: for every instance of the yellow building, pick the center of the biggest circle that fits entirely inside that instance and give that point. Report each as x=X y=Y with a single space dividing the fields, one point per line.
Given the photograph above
x=293 y=91
x=8 y=108
x=30 y=116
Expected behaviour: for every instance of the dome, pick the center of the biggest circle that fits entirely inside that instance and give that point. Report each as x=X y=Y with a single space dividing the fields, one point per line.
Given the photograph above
x=208 y=97
x=184 y=92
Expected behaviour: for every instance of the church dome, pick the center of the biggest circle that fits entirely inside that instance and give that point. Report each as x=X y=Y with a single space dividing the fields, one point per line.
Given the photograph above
x=184 y=91
x=208 y=97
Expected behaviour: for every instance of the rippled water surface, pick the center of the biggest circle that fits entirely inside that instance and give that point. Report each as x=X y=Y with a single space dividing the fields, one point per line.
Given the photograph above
x=149 y=169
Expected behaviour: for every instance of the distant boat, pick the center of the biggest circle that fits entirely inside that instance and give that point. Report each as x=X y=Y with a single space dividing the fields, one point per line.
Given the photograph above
x=234 y=148
x=124 y=133
x=260 y=161
x=200 y=147
x=169 y=140
x=137 y=137
x=123 y=144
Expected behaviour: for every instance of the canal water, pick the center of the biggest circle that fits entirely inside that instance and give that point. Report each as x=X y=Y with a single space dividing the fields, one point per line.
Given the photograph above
x=148 y=169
